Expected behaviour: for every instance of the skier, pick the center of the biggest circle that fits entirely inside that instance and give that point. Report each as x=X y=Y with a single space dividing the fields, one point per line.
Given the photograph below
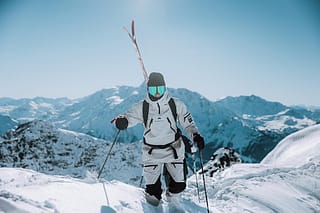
x=162 y=143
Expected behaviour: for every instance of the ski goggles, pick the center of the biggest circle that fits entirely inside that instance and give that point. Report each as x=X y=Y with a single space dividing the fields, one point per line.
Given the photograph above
x=153 y=90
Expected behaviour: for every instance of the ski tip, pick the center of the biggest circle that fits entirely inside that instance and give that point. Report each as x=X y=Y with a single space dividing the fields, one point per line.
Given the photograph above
x=132 y=28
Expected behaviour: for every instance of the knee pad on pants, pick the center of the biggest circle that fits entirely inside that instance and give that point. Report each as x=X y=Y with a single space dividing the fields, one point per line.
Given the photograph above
x=155 y=189
x=176 y=187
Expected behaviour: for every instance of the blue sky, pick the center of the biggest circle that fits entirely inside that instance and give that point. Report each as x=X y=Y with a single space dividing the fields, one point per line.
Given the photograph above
x=218 y=48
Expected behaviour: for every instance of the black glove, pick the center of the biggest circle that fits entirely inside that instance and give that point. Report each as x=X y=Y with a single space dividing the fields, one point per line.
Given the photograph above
x=121 y=123
x=198 y=139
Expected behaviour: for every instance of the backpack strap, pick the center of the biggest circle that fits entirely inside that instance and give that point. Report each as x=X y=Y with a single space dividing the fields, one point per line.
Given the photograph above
x=145 y=112
x=173 y=108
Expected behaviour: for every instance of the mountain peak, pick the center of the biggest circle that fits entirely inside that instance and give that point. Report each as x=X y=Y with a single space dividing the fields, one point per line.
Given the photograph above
x=251 y=105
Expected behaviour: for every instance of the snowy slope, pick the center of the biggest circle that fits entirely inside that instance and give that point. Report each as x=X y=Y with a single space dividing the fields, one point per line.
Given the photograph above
x=39 y=146
x=291 y=152
x=34 y=192
x=261 y=188
x=264 y=187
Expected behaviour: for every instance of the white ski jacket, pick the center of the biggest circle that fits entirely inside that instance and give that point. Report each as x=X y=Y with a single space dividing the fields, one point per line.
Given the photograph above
x=161 y=129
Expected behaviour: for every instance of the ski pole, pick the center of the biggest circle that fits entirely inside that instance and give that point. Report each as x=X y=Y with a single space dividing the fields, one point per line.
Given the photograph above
x=141 y=179
x=204 y=182
x=135 y=44
x=193 y=151
x=195 y=173
x=105 y=161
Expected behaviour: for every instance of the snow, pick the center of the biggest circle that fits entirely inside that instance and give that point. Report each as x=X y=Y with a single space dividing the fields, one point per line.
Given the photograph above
x=284 y=122
x=36 y=106
x=135 y=92
x=75 y=113
x=263 y=188
x=291 y=152
x=115 y=100
x=36 y=192
x=287 y=180
x=5 y=110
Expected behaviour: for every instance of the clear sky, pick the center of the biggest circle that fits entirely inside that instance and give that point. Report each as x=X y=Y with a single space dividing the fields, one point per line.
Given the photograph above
x=218 y=48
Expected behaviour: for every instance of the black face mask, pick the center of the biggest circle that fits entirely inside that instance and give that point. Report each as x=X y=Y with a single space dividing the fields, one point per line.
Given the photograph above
x=152 y=98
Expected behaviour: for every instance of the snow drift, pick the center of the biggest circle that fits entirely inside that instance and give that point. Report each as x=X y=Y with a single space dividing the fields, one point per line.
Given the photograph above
x=297 y=149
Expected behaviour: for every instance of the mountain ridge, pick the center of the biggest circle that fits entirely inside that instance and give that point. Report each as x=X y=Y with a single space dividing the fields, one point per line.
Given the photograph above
x=223 y=123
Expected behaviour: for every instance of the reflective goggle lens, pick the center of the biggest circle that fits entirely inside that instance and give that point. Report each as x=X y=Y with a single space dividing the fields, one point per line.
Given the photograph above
x=153 y=90
x=161 y=89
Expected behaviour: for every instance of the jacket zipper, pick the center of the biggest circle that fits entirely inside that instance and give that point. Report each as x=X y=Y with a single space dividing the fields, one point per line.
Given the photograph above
x=171 y=125
x=158 y=108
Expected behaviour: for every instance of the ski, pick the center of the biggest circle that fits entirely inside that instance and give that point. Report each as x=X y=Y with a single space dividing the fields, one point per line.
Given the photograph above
x=135 y=44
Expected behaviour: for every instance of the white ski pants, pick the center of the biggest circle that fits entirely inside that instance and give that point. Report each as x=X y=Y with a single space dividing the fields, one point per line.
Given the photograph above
x=151 y=172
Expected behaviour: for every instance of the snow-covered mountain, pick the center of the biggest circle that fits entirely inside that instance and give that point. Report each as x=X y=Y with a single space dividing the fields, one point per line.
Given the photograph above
x=6 y=123
x=92 y=114
x=249 y=124
x=267 y=115
x=24 y=110
x=251 y=105
x=287 y=180
x=39 y=146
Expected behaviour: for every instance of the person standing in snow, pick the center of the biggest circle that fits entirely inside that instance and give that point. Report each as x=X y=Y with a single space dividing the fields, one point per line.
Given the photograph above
x=162 y=143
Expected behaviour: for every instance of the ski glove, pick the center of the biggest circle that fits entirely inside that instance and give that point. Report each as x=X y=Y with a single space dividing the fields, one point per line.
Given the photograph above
x=198 y=139
x=121 y=123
